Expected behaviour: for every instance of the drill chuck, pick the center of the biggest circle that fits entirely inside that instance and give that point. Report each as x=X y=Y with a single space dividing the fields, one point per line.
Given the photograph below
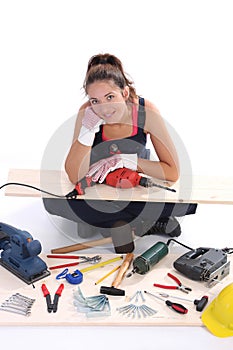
x=144 y=262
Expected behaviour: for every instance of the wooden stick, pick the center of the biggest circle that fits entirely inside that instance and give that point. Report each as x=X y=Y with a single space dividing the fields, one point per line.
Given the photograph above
x=81 y=246
x=124 y=267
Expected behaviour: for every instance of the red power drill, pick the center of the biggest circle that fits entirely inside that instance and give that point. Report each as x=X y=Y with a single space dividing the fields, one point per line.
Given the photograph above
x=120 y=178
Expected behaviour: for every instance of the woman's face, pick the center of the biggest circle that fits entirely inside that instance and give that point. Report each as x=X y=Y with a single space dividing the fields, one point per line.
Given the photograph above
x=108 y=101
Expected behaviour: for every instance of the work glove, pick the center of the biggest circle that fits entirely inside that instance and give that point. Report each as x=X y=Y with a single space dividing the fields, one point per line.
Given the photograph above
x=90 y=126
x=99 y=170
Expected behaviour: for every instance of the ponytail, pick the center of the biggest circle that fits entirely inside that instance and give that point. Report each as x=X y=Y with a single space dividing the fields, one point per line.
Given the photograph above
x=108 y=67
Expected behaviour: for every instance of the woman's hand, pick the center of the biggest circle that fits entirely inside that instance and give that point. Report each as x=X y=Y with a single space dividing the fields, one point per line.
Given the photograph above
x=99 y=170
x=90 y=126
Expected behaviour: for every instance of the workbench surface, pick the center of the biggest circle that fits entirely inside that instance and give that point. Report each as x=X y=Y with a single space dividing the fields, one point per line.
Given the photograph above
x=67 y=314
x=189 y=189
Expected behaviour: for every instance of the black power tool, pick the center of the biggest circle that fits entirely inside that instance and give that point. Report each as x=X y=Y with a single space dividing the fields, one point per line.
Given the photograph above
x=204 y=264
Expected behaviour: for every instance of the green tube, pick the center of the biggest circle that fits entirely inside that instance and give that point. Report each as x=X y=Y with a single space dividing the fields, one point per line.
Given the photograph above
x=143 y=263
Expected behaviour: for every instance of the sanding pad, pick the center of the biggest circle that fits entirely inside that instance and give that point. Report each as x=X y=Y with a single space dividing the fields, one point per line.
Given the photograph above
x=33 y=279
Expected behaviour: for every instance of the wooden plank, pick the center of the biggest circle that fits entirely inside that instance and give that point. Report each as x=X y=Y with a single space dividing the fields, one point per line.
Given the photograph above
x=49 y=180
x=189 y=189
x=67 y=314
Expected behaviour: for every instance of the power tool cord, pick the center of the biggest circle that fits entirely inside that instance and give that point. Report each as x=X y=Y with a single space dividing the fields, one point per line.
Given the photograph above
x=30 y=186
x=174 y=240
x=225 y=250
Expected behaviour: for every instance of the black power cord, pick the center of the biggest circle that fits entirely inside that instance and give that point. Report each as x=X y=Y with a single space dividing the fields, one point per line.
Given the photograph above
x=174 y=240
x=30 y=186
x=225 y=250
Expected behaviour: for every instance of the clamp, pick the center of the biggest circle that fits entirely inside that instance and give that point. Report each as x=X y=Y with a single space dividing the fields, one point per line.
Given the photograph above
x=74 y=278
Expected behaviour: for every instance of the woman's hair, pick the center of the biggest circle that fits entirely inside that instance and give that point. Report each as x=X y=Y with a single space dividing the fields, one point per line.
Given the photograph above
x=108 y=67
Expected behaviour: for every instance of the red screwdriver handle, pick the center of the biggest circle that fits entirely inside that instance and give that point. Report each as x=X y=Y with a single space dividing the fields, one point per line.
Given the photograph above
x=177 y=307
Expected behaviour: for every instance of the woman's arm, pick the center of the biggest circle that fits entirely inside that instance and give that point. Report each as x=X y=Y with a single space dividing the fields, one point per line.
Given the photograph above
x=168 y=165
x=78 y=159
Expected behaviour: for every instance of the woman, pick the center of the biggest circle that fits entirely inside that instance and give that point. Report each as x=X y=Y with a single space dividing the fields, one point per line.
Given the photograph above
x=111 y=132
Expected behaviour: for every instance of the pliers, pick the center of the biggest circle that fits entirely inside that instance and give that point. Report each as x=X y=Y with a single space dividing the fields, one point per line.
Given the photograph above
x=84 y=259
x=52 y=306
x=179 y=286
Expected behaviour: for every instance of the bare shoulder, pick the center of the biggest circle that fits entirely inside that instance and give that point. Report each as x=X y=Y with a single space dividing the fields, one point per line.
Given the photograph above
x=153 y=116
x=150 y=106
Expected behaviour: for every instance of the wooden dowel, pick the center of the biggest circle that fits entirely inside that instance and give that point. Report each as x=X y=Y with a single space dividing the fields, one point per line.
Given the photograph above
x=81 y=246
x=124 y=267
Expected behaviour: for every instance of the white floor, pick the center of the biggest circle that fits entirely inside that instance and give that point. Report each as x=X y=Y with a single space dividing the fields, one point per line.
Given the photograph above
x=211 y=226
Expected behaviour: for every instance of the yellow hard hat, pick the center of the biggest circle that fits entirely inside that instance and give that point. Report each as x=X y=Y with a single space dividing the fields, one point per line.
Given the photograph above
x=218 y=316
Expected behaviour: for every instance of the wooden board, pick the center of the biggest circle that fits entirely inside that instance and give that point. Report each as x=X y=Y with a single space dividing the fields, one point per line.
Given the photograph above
x=67 y=314
x=195 y=189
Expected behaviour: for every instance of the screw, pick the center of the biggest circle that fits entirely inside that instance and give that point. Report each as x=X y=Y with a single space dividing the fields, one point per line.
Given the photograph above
x=143 y=299
x=149 y=310
x=133 y=296
x=124 y=308
x=138 y=309
x=143 y=312
x=132 y=311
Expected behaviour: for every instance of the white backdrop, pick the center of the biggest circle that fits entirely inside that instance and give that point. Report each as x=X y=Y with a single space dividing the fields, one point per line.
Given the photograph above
x=179 y=54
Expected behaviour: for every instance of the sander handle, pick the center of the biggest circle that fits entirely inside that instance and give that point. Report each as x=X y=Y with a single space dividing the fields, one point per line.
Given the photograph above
x=124 y=267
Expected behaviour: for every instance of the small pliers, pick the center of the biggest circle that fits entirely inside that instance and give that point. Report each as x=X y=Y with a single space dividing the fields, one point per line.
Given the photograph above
x=52 y=306
x=179 y=286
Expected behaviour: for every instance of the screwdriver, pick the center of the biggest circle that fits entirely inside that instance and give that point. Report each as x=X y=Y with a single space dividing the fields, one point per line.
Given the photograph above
x=179 y=308
x=200 y=303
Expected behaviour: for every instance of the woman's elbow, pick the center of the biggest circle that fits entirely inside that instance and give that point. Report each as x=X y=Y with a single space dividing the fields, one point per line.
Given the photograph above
x=175 y=177
x=173 y=174
x=72 y=179
x=72 y=176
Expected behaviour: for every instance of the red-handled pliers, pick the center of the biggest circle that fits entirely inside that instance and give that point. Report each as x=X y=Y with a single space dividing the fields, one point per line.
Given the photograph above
x=95 y=259
x=52 y=306
x=179 y=286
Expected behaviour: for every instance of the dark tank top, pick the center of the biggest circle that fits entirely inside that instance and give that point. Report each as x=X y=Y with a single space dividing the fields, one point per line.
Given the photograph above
x=136 y=143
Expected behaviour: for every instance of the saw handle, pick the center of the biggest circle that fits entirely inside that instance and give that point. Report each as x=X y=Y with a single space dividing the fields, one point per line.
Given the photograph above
x=124 y=267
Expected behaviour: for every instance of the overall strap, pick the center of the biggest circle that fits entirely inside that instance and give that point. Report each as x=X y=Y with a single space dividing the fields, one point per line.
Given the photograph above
x=141 y=101
x=141 y=113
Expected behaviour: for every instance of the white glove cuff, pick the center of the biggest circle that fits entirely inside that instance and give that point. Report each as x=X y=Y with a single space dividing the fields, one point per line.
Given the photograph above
x=86 y=136
x=130 y=161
